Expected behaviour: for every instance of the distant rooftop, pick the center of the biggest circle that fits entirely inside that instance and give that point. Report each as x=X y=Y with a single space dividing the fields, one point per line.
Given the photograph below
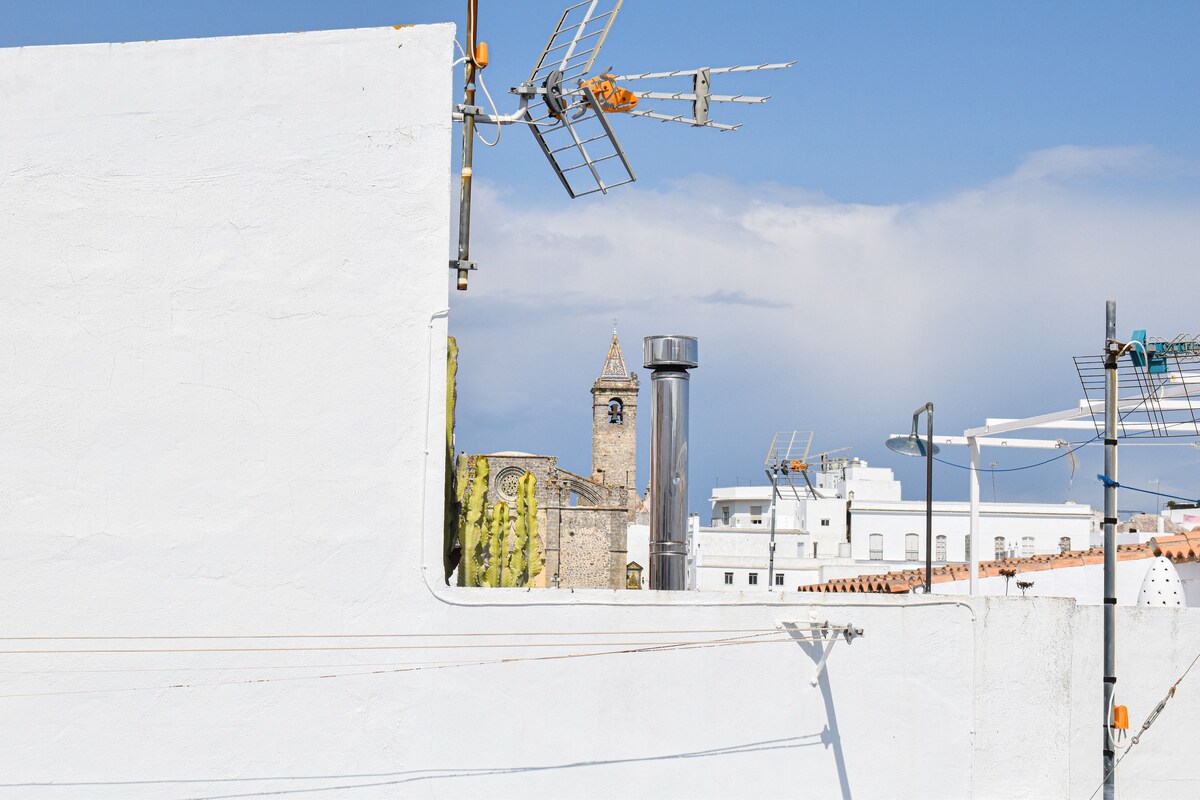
x=1179 y=548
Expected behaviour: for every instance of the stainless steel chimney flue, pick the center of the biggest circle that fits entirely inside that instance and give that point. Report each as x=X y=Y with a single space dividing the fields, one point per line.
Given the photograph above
x=670 y=357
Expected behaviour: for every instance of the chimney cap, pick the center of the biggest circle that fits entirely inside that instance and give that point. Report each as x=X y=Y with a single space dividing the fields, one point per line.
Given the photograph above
x=671 y=351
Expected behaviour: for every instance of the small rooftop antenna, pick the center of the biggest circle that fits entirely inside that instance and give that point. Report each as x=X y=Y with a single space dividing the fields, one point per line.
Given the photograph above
x=787 y=448
x=566 y=105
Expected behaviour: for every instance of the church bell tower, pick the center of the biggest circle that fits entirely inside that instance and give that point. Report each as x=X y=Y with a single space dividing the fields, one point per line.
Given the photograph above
x=614 y=424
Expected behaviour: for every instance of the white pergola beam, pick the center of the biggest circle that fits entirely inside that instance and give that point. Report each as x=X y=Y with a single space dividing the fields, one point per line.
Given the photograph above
x=1032 y=444
x=1028 y=422
x=1186 y=428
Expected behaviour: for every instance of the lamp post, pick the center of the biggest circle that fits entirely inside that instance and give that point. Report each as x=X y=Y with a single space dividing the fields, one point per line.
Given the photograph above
x=912 y=445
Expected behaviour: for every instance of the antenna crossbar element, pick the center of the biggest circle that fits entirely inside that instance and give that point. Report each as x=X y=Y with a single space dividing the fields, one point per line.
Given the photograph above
x=716 y=98
x=788 y=446
x=685 y=120
x=1151 y=404
x=582 y=131
x=576 y=41
x=700 y=97
x=712 y=70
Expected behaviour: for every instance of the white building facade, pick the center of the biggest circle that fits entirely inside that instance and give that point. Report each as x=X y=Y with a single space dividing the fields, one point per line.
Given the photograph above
x=853 y=521
x=896 y=531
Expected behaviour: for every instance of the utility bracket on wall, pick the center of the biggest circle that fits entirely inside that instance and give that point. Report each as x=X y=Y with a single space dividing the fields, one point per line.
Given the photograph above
x=825 y=633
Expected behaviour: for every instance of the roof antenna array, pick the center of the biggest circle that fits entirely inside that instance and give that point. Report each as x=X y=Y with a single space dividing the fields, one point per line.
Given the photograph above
x=565 y=105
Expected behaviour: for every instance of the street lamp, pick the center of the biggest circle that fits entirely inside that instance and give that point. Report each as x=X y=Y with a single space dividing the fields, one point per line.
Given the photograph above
x=912 y=445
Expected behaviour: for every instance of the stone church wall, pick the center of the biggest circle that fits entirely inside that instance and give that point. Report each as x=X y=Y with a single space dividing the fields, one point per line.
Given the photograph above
x=586 y=538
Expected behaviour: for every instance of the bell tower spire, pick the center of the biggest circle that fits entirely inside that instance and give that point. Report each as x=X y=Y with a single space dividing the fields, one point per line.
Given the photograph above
x=614 y=423
x=614 y=365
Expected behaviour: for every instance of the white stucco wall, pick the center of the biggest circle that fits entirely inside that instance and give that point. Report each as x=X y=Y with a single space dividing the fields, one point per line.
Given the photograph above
x=218 y=255
x=220 y=466
x=1046 y=523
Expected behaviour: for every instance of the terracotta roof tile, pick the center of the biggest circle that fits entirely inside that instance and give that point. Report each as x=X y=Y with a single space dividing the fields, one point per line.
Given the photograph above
x=1179 y=547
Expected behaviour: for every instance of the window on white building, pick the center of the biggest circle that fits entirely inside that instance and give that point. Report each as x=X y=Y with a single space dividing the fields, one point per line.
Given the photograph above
x=824 y=523
x=1026 y=546
x=1001 y=550
x=725 y=514
x=753 y=578
x=911 y=551
x=756 y=515
x=940 y=549
x=1064 y=544
x=779 y=579
x=728 y=578
x=876 y=547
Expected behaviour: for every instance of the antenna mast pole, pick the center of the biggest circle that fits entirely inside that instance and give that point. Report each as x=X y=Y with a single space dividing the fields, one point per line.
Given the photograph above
x=464 y=263
x=1112 y=351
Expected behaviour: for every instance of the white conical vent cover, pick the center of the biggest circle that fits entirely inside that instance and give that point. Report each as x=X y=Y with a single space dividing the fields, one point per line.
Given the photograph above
x=1161 y=586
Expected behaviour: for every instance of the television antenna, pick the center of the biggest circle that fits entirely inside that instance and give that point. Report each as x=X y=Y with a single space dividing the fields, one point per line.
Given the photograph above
x=790 y=455
x=565 y=105
x=787 y=448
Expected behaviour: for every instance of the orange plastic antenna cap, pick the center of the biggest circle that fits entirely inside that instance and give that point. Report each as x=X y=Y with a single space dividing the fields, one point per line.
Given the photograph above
x=1121 y=718
x=481 y=54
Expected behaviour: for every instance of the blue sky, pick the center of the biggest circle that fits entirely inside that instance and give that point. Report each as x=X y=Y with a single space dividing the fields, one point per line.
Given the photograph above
x=934 y=205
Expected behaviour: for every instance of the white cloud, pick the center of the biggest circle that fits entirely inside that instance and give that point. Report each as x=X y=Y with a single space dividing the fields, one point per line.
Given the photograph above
x=839 y=317
x=1070 y=162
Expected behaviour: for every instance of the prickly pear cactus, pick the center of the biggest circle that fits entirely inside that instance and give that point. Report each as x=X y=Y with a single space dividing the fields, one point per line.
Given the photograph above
x=525 y=562
x=533 y=550
x=496 y=547
x=475 y=522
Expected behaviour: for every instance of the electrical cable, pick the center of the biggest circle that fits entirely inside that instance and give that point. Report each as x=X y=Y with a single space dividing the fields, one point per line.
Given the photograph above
x=487 y=94
x=478 y=634
x=667 y=647
x=331 y=648
x=1107 y=481
x=1074 y=446
x=495 y=113
x=472 y=32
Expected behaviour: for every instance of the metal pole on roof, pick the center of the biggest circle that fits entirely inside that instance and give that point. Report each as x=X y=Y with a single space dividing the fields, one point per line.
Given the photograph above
x=929 y=499
x=774 y=476
x=912 y=445
x=972 y=553
x=1111 y=352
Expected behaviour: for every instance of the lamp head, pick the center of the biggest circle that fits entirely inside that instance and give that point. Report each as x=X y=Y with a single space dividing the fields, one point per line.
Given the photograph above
x=910 y=445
